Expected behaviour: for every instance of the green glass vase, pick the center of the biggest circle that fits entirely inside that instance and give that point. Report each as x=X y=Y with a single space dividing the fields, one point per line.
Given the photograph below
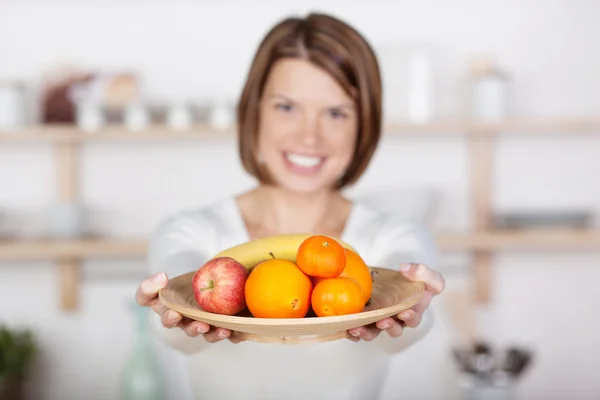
x=142 y=375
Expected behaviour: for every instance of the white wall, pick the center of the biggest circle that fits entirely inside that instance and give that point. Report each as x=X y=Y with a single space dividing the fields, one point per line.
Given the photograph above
x=192 y=50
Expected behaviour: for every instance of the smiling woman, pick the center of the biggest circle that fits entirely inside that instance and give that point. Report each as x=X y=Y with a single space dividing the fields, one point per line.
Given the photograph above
x=317 y=89
x=309 y=122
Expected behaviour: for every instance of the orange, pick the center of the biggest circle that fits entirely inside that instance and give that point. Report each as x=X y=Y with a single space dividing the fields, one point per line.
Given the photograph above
x=321 y=256
x=357 y=269
x=278 y=289
x=337 y=296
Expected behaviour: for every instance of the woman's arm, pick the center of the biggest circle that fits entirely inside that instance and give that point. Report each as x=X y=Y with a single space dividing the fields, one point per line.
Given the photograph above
x=401 y=244
x=179 y=245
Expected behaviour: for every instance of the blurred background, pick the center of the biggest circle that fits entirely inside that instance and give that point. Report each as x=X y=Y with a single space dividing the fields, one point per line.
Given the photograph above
x=114 y=114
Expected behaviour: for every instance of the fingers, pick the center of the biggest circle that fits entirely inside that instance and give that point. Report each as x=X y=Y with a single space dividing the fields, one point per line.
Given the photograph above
x=433 y=280
x=216 y=335
x=170 y=318
x=412 y=317
x=391 y=326
x=194 y=328
x=147 y=292
x=147 y=295
x=366 y=333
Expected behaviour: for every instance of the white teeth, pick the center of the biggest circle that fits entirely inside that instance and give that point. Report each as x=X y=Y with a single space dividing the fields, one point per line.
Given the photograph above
x=303 y=161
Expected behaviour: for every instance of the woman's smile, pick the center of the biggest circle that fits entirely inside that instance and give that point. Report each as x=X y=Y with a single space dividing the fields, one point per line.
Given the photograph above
x=302 y=163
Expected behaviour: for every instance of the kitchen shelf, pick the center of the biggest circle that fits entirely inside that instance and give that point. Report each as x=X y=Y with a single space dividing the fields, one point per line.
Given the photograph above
x=522 y=240
x=482 y=242
x=84 y=248
x=60 y=133
x=558 y=240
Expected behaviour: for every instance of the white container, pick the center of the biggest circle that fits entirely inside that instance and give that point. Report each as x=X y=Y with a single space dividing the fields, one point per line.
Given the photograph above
x=137 y=117
x=221 y=116
x=66 y=220
x=179 y=117
x=12 y=105
x=90 y=116
x=420 y=87
x=489 y=94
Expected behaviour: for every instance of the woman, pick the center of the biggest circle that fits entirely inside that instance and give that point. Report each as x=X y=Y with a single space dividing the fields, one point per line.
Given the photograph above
x=309 y=120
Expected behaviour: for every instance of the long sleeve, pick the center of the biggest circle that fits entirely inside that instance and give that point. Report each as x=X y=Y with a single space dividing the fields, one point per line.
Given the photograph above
x=180 y=244
x=400 y=242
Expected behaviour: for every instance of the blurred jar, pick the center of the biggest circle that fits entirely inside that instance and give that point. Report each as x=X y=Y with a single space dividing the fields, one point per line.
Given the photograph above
x=90 y=116
x=489 y=92
x=66 y=220
x=12 y=104
x=137 y=116
x=179 y=116
x=409 y=79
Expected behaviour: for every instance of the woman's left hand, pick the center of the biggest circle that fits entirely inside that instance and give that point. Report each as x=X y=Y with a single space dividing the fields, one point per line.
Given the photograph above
x=434 y=285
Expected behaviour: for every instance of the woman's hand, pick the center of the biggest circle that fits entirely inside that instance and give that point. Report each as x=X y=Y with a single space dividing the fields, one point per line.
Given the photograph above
x=434 y=285
x=147 y=295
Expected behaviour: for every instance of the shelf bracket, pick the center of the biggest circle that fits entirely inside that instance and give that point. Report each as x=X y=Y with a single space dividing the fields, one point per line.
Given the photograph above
x=68 y=182
x=70 y=279
x=482 y=161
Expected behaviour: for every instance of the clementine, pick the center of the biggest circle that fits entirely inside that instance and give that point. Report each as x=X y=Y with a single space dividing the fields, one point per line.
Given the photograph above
x=357 y=269
x=337 y=296
x=321 y=256
x=278 y=289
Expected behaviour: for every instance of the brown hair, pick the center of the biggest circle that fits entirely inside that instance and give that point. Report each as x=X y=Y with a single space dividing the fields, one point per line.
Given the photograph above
x=339 y=50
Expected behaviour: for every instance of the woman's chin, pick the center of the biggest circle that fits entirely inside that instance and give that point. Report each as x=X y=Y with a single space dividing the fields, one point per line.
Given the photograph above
x=304 y=186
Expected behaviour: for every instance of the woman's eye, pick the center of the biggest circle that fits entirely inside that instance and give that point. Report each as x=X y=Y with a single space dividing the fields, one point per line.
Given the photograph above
x=284 y=107
x=337 y=114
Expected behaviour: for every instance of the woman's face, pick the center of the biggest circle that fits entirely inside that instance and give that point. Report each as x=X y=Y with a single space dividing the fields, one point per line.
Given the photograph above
x=308 y=127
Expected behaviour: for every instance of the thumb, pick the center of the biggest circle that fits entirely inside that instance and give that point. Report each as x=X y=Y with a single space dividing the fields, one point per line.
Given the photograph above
x=421 y=273
x=147 y=292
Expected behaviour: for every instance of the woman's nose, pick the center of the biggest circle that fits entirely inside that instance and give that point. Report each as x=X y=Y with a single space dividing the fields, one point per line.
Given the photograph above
x=310 y=131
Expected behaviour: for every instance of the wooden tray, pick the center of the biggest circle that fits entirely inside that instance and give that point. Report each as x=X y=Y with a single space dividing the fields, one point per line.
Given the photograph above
x=392 y=294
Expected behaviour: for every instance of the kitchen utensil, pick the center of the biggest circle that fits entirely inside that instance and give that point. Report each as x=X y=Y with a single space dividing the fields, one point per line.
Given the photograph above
x=483 y=360
x=464 y=361
x=516 y=361
x=392 y=294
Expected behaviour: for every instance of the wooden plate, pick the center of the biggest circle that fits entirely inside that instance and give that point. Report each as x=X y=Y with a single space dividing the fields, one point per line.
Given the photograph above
x=392 y=294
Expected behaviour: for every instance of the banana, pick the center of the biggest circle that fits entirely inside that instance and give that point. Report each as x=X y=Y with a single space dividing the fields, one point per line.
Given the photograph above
x=284 y=247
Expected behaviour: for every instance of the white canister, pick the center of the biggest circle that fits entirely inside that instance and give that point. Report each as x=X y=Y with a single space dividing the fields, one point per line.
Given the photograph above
x=66 y=220
x=489 y=94
x=137 y=117
x=420 y=87
x=12 y=105
x=90 y=116
x=179 y=117
x=222 y=116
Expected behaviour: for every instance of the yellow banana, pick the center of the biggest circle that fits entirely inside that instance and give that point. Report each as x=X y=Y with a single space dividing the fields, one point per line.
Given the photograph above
x=284 y=247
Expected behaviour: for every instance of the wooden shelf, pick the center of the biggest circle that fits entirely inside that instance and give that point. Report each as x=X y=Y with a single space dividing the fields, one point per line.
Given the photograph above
x=70 y=133
x=89 y=248
x=559 y=240
x=492 y=241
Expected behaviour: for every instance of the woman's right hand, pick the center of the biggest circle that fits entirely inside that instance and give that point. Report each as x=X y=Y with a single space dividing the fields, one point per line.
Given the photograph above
x=147 y=295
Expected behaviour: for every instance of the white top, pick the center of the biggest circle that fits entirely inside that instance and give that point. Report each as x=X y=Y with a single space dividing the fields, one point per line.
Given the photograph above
x=342 y=369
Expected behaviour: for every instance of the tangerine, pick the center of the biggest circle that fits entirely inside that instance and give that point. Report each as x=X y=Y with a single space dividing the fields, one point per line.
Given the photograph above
x=321 y=256
x=337 y=296
x=357 y=269
x=278 y=289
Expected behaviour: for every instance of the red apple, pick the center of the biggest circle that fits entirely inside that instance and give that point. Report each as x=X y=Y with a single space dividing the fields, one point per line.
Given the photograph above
x=219 y=286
